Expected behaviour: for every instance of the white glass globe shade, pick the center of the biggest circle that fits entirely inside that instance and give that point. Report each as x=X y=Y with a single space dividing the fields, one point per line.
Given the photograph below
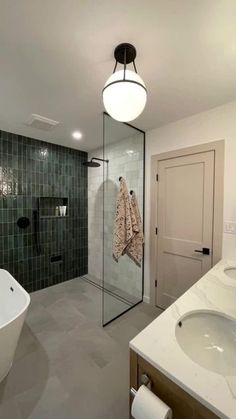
x=125 y=100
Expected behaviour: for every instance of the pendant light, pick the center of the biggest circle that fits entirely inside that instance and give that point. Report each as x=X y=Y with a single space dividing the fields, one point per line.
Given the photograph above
x=124 y=94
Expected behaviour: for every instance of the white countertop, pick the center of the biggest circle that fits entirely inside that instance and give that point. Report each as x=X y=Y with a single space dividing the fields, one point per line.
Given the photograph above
x=158 y=345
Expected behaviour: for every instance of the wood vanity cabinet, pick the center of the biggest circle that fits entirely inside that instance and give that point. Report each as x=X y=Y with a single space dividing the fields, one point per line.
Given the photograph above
x=183 y=405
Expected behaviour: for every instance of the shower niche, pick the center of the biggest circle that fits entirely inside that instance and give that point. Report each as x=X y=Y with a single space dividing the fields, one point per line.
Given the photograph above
x=53 y=207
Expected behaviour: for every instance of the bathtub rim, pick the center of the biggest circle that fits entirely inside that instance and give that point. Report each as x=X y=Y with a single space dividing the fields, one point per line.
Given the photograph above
x=28 y=299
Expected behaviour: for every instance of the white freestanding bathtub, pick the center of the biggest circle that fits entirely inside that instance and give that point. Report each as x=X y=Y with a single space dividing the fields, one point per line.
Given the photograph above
x=14 y=302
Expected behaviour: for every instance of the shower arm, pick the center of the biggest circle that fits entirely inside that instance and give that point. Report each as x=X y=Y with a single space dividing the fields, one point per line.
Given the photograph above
x=96 y=158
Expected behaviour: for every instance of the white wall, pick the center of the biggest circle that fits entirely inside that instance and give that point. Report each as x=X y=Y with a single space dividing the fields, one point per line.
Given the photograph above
x=216 y=124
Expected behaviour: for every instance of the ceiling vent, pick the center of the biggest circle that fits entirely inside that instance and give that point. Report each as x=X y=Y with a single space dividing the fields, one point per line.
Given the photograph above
x=40 y=122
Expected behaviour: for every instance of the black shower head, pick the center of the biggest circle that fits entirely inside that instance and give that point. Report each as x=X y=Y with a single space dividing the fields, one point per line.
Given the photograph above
x=91 y=163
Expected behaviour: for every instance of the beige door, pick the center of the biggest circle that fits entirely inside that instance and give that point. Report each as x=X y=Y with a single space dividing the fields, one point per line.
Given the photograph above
x=185 y=223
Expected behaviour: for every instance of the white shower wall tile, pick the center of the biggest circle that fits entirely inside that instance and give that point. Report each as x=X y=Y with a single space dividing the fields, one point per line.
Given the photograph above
x=124 y=275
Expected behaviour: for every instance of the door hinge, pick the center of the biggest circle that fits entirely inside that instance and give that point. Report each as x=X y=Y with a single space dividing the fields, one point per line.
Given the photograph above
x=157 y=177
x=155 y=283
x=156 y=230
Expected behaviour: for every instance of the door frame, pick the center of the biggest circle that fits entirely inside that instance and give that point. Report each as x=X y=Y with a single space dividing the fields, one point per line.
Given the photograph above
x=218 y=204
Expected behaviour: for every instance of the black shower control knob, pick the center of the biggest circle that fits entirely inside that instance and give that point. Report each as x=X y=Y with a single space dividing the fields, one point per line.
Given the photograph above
x=23 y=222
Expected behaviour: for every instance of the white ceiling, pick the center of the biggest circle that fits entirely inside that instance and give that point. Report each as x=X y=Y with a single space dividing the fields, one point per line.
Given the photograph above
x=56 y=56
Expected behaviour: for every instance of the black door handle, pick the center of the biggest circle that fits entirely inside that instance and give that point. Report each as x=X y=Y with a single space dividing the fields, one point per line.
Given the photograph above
x=204 y=251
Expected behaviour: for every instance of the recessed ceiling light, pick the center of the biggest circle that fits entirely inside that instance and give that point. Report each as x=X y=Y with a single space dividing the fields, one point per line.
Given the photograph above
x=77 y=135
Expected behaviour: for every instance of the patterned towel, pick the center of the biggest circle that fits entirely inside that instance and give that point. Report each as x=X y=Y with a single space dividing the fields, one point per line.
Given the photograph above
x=125 y=226
x=135 y=248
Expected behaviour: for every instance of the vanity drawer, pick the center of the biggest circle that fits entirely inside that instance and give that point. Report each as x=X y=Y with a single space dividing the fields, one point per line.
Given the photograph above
x=183 y=405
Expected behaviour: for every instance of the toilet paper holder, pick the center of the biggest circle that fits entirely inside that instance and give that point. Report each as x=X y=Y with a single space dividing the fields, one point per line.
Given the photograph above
x=145 y=380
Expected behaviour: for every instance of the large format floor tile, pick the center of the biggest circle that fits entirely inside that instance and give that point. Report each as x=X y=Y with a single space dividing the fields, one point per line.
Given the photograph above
x=67 y=366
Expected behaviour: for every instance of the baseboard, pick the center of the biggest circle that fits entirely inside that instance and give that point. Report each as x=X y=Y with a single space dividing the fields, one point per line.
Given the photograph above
x=146 y=299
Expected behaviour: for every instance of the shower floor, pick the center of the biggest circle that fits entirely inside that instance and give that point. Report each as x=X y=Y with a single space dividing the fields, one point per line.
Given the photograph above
x=66 y=364
x=124 y=296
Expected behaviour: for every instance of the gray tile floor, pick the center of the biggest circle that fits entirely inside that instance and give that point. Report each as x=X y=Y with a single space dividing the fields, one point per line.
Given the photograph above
x=66 y=365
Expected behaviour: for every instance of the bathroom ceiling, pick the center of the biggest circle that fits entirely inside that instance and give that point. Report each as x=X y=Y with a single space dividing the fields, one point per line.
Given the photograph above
x=56 y=56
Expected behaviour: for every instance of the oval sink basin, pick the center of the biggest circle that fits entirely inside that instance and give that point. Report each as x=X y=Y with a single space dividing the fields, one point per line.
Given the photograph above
x=231 y=272
x=209 y=339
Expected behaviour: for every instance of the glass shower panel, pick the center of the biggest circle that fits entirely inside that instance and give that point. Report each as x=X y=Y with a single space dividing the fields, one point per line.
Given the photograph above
x=122 y=280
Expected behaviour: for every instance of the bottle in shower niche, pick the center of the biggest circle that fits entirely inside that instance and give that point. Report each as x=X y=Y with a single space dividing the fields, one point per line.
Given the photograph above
x=57 y=211
x=64 y=210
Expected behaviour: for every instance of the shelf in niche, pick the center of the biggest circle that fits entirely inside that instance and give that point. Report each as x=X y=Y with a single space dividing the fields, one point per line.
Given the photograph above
x=47 y=206
x=54 y=216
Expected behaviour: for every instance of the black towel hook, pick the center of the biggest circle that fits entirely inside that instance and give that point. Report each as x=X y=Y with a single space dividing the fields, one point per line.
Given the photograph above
x=131 y=192
x=120 y=178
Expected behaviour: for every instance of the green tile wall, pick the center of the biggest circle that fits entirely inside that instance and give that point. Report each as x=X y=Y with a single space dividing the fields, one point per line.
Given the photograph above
x=30 y=169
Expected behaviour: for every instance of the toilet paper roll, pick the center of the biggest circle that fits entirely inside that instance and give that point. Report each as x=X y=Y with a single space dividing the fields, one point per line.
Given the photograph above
x=147 y=405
